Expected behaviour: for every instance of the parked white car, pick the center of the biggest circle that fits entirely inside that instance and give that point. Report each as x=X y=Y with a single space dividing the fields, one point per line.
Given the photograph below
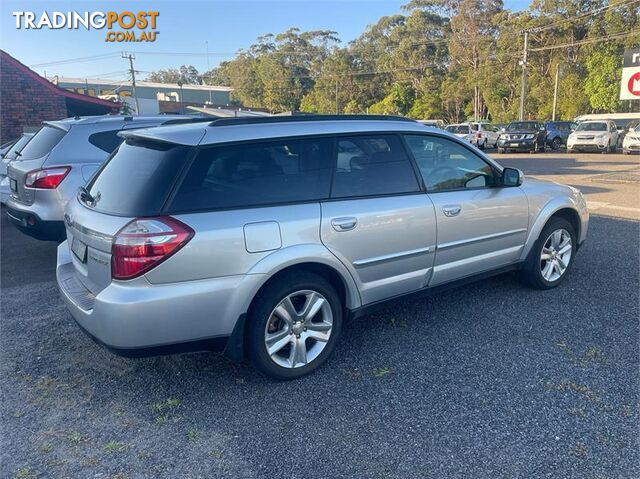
x=464 y=131
x=486 y=135
x=631 y=142
x=594 y=136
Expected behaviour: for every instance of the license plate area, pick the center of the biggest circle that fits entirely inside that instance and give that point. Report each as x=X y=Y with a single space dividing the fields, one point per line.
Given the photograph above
x=79 y=249
x=13 y=184
x=515 y=144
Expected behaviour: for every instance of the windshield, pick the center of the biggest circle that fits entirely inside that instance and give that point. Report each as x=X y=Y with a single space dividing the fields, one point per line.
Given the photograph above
x=596 y=126
x=150 y=169
x=42 y=143
x=458 y=129
x=521 y=125
x=18 y=146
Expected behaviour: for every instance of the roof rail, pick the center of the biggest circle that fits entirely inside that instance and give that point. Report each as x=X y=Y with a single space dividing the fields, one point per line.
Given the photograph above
x=299 y=118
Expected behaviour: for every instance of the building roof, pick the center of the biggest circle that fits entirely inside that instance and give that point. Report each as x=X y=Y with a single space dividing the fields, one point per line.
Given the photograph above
x=227 y=112
x=143 y=83
x=5 y=57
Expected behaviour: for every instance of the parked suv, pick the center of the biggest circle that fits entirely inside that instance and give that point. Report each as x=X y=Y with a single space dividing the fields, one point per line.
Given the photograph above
x=13 y=152
x=61 y=157
x=594 y=136
x=558 y=132
x=523 y=136
x=262 y=235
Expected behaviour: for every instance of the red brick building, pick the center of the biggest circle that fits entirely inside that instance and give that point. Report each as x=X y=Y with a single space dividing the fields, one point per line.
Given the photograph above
x=27 y=99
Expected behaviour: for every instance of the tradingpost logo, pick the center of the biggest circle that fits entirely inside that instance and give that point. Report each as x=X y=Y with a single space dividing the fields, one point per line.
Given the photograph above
x=121 y=26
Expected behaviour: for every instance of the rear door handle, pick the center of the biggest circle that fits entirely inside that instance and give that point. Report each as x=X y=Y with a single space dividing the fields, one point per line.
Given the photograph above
x=451 y=210
x=344 y=224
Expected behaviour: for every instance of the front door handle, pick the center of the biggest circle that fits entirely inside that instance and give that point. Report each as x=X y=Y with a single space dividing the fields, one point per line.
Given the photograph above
x=344 y=224
x=451 y=210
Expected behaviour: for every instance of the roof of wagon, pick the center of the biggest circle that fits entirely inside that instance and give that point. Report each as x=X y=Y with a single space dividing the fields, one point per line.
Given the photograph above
x=222 y=131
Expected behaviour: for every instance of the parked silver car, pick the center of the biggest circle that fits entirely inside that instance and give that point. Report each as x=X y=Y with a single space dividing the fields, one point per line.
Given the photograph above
x=13 y=152
x=262 y=235
x=61 y=157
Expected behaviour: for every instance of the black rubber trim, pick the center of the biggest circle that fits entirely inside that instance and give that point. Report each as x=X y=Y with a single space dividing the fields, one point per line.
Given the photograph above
x=216 y=343
x=41 y=230
x=234 y=348
x=372 y=307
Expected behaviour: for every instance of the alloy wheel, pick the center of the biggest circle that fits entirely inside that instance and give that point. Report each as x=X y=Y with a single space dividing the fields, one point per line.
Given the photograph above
x=298 y=329
x=556 y=255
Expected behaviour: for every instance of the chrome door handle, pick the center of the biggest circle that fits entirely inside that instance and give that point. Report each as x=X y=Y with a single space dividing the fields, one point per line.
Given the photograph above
x=451 y=210
x=344 y=224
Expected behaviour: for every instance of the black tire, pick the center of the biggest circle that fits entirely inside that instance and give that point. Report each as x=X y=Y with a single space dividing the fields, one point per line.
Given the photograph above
x=607 y=149
x=569 y=150
x=483 y=145
x=556 y=144
x=541 y=148
x=532 y=271
x=260 y=312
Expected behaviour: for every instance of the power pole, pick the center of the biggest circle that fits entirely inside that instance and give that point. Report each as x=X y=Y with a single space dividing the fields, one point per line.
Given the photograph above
x=523 y=81
x=208 y=69
x=132 y=71
x=555 y=93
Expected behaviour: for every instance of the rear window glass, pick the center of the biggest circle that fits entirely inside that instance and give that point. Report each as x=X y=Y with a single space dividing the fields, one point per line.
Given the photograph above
x=106 y=140
x=257 y=174
x=372 y=165
x=17 y=147
x=522 y=125
x=42 y=143
x=138 y=178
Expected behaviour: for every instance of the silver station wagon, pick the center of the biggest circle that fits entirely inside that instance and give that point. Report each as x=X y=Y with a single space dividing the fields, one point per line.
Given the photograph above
x=262 y=236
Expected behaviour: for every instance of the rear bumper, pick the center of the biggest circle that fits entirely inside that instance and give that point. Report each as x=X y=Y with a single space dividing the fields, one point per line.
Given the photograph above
x=135 y=318
x=31 y=224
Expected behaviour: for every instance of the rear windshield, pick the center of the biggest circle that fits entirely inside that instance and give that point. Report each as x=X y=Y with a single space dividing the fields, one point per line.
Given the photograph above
x=592 y=127
x=137 y=178
x=42 y=143
x=12 y=154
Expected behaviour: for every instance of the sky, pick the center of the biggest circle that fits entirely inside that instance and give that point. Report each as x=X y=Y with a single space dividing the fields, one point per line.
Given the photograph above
x=185 y=27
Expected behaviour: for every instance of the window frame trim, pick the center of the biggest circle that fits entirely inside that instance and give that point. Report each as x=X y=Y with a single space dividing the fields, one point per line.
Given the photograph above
x=493 y=167
x=167 y=210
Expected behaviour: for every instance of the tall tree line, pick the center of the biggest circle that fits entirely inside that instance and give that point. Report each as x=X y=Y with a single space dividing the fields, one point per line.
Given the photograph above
x=450 y=59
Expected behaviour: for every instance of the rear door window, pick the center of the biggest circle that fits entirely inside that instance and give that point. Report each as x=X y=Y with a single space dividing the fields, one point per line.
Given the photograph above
x=256 y=174
x=137 y=180
x=42 y=143
x=372 y=165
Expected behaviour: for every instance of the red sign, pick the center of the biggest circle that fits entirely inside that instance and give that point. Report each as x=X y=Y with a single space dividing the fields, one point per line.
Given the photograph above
x=634 y=84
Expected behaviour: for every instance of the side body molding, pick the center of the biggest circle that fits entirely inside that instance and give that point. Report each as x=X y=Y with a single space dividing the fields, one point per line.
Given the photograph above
x=307 y=253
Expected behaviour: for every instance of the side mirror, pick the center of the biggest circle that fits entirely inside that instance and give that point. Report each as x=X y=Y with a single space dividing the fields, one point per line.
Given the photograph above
x=503 y=129
x=512 y=177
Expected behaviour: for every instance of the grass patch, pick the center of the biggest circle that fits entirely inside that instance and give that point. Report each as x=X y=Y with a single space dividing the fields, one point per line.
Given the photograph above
x=113 y=447
x=192 y=435
x=25 y=473
x=379 y=372
x=215 y=454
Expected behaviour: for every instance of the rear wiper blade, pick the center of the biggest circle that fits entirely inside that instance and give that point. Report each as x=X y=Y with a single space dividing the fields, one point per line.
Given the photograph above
x=85 y=195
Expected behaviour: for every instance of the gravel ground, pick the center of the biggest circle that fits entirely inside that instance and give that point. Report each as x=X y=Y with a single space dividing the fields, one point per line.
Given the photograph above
x=493 y=380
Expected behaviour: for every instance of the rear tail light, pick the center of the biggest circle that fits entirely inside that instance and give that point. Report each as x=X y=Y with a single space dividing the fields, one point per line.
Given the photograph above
x=479 y=135
x=144 y=243
x=47 y=178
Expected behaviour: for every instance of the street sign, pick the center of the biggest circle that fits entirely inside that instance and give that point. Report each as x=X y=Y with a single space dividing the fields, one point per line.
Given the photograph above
x=630 y=84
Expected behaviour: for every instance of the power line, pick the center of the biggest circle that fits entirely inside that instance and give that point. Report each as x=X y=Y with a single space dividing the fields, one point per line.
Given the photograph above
x=613 y=36
x=75 y=60
x=583 y=15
